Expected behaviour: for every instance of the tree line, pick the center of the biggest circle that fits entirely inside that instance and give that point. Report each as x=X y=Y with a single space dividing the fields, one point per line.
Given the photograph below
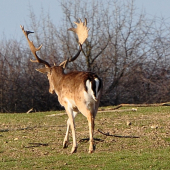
x=129 y=51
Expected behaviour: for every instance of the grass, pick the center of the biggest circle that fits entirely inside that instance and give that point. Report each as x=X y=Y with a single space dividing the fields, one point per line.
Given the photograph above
x=34 y=141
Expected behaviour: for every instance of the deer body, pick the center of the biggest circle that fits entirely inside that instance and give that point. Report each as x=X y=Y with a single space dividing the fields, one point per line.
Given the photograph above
x=77 y=91
x=76 y=86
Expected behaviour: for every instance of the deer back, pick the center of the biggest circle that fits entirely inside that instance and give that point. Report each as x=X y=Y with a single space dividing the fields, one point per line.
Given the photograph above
x=74 y=86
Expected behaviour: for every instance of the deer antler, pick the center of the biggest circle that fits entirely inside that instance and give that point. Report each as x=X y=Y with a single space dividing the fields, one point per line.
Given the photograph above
x=33 y=48
x=82 y=33
x=81 y=30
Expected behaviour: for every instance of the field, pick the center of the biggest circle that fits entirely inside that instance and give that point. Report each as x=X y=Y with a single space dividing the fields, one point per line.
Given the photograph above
x=124 y=140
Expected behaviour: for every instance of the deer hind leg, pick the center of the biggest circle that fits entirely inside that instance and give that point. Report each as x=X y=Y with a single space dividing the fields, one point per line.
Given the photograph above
x=90 y=119
x=66 y=138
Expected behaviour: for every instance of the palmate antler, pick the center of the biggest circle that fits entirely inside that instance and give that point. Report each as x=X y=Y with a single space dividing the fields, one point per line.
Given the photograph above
x=81 y=31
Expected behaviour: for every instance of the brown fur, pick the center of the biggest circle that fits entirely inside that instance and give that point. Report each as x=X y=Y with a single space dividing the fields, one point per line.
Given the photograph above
x=73 y=81
x=73 y=95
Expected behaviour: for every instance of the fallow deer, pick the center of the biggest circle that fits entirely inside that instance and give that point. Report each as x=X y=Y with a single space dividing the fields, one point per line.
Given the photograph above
x=78 y=91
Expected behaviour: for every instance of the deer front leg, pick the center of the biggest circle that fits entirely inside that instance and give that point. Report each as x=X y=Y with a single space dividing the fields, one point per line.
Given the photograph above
x=66 y=139
x=71 y=116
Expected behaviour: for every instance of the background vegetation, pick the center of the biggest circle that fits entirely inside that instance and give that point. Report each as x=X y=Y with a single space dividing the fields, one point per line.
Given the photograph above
x=129 y=51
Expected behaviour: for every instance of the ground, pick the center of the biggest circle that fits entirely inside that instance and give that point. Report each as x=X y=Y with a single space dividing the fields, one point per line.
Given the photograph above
x=124 y=139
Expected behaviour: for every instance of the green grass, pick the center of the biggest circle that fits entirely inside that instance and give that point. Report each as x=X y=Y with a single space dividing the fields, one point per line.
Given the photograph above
x=138 y=146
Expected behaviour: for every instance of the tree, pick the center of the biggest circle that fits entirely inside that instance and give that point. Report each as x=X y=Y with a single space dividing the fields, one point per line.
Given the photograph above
x=129 y=51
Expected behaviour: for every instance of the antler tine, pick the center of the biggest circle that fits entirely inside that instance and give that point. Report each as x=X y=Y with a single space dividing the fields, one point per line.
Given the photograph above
x=33 y=48
x=85 y=22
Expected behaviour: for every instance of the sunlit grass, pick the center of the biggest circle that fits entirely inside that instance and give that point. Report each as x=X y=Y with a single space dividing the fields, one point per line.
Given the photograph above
x=20 y=134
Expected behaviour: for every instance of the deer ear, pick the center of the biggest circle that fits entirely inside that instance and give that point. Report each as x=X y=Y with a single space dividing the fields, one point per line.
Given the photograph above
x=44 y=70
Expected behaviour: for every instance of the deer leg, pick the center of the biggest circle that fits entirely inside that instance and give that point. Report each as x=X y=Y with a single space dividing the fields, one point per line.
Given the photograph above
x=72 y=125
x=66 y=139
x=91 y=132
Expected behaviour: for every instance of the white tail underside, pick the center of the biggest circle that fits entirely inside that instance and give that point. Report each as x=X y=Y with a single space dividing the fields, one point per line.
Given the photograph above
x=90 y=90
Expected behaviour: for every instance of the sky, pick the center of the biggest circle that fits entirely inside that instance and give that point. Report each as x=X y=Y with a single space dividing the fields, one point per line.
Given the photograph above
x=14 y=13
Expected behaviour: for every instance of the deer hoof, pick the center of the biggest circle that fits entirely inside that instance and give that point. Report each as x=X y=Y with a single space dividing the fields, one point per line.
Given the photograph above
x=74 y=150
x=65 y=144
x=91 y=151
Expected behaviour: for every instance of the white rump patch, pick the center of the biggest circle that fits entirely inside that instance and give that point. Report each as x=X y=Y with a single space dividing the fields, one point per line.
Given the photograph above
x=89 y=88
x=89 y=96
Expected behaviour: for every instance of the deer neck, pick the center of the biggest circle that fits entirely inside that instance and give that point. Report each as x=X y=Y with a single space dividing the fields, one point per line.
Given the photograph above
x=57 y=77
